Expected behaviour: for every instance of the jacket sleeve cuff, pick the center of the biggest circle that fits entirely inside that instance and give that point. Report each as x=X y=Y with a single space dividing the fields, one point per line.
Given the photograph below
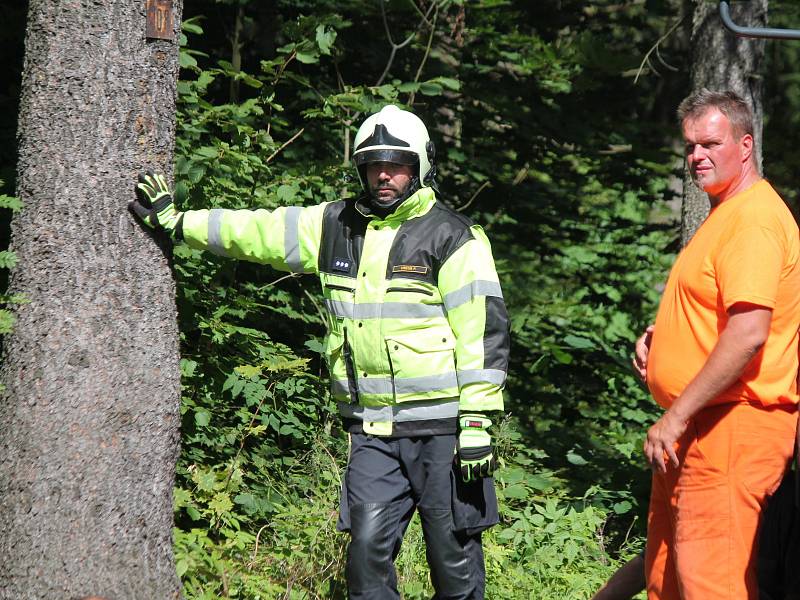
x=195 y=228
x=480 y=397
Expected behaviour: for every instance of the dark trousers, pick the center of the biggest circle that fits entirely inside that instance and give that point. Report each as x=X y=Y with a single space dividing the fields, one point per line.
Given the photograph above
x=386 y=480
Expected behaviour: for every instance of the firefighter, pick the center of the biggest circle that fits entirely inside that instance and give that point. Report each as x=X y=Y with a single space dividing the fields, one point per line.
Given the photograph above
x=417 y=347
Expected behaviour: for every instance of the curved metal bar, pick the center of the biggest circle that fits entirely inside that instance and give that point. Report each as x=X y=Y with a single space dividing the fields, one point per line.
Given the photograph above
x=755 y=32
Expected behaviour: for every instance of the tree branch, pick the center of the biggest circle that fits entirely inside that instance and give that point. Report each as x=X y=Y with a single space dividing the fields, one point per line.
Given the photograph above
x=425 y=56
x=404 y=43
x=654 y=48
x=484 y=185
x=286 y=143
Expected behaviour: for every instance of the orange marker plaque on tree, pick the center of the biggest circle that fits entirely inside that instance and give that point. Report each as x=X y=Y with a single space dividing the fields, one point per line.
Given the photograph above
x=159 y=20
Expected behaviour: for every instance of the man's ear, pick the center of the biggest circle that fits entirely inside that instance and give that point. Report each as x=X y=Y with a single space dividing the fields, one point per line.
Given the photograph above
x=746 y=147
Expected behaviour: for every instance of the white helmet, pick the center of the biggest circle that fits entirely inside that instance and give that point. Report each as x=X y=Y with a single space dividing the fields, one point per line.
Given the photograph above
x=396 y=136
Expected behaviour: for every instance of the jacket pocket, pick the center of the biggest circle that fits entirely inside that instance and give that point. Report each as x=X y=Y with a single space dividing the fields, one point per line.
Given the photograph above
x=423 y=366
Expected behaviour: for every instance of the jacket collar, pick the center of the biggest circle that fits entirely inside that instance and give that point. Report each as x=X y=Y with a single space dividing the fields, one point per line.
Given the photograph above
x=415 y=205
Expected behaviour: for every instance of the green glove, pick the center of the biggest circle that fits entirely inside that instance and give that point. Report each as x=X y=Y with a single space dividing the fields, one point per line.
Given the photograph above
x=154 y=205
x=475 y=454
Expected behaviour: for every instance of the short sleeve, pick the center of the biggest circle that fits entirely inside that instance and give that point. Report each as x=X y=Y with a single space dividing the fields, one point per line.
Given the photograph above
x=748 y=267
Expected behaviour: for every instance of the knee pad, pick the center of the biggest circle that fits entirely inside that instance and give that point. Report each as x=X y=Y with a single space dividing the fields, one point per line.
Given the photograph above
x=372 y=540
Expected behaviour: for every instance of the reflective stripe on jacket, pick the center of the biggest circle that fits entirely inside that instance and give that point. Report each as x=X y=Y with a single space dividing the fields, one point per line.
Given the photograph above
x=417 y=326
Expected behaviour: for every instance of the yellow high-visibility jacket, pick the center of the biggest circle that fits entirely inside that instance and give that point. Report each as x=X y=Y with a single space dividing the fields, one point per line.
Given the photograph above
x=417 y=326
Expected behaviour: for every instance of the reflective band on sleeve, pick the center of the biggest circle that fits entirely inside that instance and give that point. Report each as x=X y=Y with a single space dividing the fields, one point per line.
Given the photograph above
x=468 y=292
x=407 y=411
x=493 y=376
x=386 y=310
x=215 y=232
x=291 y=241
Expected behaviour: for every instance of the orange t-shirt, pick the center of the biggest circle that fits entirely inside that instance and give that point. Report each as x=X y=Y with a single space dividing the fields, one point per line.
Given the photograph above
x=747 y=250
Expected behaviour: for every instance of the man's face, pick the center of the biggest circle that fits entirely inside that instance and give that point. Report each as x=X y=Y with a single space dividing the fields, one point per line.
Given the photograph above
x=715 y=154
x=387 y=181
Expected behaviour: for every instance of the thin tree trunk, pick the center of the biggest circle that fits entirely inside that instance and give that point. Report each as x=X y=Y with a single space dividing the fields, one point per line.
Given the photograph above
x=236 y=52
x=723 y=61
x=90 y=414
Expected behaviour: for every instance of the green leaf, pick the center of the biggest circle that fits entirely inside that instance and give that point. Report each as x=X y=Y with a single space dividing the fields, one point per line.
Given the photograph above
x=622 y=507
x=202 y=417
x=181 y=567
x=507 y=534
x=249 y=80
x=625 y=449
x=563 y=357
x=307 y=58
x=187 y=61
x=325 y=39
x=188 y=367
x=409 y=86
x=315 y=346
x=248 y=371
x=8 y=260
x=516 y=491
x=449 y=83
x=7 y=320
x=578 y=342
x=206 y=480
x=287 y=193
x=430 y=88
x=196 y=173
x=221 y=504
x=10 y=202
x=191 y=25
x=576 y=459
x=207 y=152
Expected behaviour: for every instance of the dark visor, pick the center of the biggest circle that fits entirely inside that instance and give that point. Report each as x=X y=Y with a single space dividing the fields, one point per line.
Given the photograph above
x=389 y=155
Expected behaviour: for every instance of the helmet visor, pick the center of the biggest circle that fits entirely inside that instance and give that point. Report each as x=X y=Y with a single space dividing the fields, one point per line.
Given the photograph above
x=389 y=155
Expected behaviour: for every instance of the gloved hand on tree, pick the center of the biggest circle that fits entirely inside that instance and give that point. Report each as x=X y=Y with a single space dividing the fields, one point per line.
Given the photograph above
x=154 y=205
x=475 y=453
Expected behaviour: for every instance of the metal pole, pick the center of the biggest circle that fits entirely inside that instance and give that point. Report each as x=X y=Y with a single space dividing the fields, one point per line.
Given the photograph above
x=755 y=32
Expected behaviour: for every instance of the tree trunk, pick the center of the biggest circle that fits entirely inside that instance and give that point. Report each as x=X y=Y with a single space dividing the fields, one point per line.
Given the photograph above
x=723 y=61
x=90 y=415
x=236 y=52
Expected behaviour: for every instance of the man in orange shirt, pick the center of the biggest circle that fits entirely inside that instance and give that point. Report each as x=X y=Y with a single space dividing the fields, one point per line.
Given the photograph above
x=722 y=360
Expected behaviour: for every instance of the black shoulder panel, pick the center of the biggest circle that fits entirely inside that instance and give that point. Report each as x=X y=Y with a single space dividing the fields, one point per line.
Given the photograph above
x=423 y=244
x=343 y=230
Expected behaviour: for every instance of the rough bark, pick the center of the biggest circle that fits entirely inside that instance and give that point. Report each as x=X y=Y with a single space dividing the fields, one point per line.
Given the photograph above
x=723 y=61
x=90 y=415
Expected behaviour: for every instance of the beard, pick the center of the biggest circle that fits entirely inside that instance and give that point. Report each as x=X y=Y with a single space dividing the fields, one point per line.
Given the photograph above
x=386 y=195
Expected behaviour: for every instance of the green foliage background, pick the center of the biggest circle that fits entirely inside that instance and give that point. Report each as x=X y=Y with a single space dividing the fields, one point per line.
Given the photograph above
x=572 y=199
x=554 y=133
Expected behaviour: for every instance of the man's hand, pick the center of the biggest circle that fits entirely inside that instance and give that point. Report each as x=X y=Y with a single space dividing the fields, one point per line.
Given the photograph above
x=642 y=349
x=475 y=454
x=661 y=438
x=154 y=205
